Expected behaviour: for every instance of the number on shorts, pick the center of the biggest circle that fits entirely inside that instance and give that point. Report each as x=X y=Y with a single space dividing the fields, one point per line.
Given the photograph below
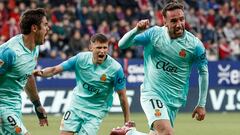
x=156 y=104
x=11 y=120
x=67 y=114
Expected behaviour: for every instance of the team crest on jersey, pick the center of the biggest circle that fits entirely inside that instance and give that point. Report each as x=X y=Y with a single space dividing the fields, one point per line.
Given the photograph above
x=182 y=53
x=103 y=77
x=1 y=62
x=18 y=130
x=157 y=113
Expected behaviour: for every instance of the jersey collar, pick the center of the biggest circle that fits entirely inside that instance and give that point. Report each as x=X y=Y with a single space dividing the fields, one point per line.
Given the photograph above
x=20 y=39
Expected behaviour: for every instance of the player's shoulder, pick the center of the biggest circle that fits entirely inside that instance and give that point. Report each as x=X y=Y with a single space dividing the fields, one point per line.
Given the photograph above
x=14 y=44
x=156 y=29
x=84 y=55
x=114 y=63
x=195 y=41
x=7 y=51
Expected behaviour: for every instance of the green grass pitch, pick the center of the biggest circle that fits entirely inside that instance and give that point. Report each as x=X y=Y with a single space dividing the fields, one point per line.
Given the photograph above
x=214 y=124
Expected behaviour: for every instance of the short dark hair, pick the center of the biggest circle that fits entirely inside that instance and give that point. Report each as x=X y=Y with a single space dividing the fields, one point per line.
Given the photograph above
x=99 y=38
x=31 y=17
x=172 y=6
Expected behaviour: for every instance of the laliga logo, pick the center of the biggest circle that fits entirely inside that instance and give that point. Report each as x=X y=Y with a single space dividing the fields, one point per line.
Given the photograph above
x=227 y=75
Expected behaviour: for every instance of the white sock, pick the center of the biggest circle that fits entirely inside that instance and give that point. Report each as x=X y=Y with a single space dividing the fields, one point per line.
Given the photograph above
x=135 y=132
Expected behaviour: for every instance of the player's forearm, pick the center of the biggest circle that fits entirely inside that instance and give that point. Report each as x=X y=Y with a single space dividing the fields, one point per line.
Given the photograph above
x=51 y=71
x=125 y=106
x=31 y=89
x=127 y=40
x=203 y=89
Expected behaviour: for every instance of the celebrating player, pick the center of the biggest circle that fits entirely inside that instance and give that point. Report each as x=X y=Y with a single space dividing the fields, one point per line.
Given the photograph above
x=18 y=58
x=169 y=53
x=97 y=76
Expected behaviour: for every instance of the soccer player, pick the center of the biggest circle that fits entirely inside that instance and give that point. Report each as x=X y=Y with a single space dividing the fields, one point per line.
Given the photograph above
x=97 y=76
x=169 y=53
x=18 y=58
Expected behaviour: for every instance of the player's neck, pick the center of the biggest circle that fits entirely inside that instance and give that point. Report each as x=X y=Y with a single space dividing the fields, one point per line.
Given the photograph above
x=28 y=41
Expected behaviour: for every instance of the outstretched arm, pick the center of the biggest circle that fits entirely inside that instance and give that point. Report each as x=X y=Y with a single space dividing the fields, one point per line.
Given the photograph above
x=49 y=71
x=124 y=104
x=31 y=90
x=128 y=39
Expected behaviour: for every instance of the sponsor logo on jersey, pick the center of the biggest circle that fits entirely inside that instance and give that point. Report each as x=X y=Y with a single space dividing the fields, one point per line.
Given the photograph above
x=91 y=88
x=120 y=80
x=203 y=56
x=157 y=113
x=1 y=62
x=166 y=66
x=103 y=77
x=182 y=53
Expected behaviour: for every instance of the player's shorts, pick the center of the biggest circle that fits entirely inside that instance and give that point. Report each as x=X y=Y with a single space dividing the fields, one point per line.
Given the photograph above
x=155 y=109
x=80 y=122
x=11 y=122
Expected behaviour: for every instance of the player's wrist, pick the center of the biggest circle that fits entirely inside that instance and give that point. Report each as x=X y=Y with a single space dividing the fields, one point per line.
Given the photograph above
x=41 y=72
x=37 y=103
x=40 y=114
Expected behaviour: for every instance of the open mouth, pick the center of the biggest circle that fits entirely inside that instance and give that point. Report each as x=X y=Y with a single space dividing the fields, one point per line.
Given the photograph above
x=101 y=56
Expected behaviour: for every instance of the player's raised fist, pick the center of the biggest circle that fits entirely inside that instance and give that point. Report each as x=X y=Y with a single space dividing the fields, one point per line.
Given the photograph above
x=143 y=24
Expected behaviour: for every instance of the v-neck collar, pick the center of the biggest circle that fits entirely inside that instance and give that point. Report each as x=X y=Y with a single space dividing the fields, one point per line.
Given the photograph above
x=20 y=37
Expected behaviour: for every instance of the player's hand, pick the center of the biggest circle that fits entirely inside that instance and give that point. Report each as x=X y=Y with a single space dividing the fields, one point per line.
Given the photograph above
x=143 y=24
x=130 y=124
x=37 y=73
x=42 y=116
x=199 y=113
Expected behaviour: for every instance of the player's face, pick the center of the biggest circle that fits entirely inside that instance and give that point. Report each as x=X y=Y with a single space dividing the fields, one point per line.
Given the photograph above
x=99 y=52
x=175 y=22
x=42 y=32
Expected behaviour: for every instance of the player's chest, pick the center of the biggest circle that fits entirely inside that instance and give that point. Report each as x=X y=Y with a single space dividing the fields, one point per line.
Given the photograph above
x=176 y=50
x=24 y=65
x=96 y=74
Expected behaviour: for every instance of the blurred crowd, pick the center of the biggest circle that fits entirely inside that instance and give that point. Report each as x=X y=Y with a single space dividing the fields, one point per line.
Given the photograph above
x=72 y=22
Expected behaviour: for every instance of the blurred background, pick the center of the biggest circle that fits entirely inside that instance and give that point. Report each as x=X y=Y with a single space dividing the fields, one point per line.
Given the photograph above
x=72 y=22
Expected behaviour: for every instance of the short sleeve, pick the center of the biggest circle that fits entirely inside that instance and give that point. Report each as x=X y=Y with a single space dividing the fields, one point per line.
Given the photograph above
x=119 y=80
x=69 y=64
x=7 y=59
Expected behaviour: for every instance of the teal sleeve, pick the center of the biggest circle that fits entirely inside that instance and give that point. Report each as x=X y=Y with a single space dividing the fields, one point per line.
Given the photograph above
x=7 y=59
x=202 y=66
x=69 y=64
x=119 y=80
x=133 y=37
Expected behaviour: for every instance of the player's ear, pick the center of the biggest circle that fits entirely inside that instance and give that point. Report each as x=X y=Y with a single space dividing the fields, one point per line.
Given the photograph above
x=164 y=21
x=34 y=28
x=91 y=47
